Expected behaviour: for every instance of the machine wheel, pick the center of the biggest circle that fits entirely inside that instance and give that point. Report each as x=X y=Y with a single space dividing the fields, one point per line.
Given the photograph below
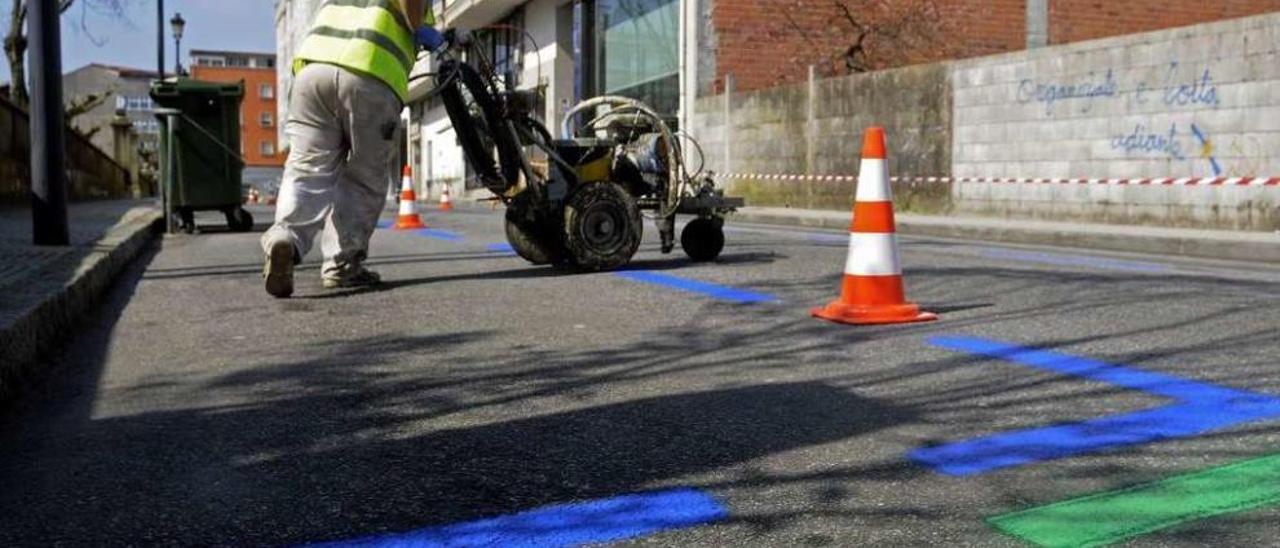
x=602 y=226
x=702 y=240
x=536 y=243
x=239 y=220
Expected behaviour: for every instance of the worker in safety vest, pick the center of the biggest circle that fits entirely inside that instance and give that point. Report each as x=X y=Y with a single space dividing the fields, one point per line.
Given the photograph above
x=351 y=80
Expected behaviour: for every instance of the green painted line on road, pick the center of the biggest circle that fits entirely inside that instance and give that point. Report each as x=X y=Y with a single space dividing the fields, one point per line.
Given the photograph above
x=1112 y=516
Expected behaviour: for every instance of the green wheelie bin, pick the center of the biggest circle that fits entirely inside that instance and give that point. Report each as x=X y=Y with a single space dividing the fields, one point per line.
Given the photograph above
x=200 y=150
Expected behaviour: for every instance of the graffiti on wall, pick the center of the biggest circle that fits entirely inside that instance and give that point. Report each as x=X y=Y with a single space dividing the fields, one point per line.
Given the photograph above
x=1144 y=140
x=1177 y=89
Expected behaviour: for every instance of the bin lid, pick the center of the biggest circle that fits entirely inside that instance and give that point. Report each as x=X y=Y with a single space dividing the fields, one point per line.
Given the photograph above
x=177 y=87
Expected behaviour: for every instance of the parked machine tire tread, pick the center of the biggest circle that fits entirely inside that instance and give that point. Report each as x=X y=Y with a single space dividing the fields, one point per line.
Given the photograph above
x=702 y=240
x=602 y=226
x=538 y=244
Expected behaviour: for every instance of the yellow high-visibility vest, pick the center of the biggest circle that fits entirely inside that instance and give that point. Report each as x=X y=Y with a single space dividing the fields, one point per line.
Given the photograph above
x=368 y=37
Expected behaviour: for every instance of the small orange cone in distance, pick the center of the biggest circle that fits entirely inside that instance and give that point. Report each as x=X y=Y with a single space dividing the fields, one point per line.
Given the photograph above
x=409 y=217
x=872 y=291
x=445 y=203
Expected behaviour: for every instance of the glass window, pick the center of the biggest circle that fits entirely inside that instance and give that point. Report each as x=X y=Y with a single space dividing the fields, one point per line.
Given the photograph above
x=637 y=51
x=147 y=126
x=267 y=148
x=266 y=91
x=137 y=103
x=503 y=44
x=266 y=119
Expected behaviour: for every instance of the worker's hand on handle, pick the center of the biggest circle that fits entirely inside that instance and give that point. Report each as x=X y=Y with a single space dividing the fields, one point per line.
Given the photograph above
x=428 y=38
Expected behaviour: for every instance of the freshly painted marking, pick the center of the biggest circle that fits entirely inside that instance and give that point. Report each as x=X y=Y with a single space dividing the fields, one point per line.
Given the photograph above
x=721 y=292
x=827 y=238
x=439 y=234
x=819 y=237
x=1070 y=260
x=606 y=520
x=1200 y=408
x=1113 y=516
x=501 y=248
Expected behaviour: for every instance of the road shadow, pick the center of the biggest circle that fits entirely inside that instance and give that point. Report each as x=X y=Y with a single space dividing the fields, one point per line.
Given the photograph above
x=346 y=458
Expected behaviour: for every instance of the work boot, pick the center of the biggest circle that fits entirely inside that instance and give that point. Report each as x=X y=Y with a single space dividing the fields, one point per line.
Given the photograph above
x=278 y=270
x=356 y=277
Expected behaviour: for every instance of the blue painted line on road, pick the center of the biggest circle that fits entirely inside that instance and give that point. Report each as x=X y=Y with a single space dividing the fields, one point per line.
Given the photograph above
x=439 y=234
x=1060 y=259
x=715 y=291
x=427 y=232
x=607 y=520
x=827 y=238
x=817 y=237
x=501 y=248
x=1200 y=408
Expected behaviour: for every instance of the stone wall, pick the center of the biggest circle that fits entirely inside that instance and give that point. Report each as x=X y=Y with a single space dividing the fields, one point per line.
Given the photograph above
x=91 y=173
x=1200 y=101
x=816 y=128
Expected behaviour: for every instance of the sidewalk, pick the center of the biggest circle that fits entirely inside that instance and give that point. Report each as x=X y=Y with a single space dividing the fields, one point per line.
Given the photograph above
x=1209 y=244
x=45 y=290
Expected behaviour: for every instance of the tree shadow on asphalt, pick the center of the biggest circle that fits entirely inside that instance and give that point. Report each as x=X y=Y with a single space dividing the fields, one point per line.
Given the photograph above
x=349 y=442
x=534 y=272
x=177 y=273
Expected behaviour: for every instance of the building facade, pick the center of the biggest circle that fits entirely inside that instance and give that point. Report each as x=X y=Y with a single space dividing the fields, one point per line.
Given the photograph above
x=259 y=112
x=669 y=53
x=130 y=91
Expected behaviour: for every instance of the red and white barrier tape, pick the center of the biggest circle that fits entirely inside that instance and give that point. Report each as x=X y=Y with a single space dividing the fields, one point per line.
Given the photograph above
x=1168 y=181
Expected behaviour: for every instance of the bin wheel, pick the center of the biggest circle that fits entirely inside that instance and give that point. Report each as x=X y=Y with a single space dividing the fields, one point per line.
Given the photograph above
x=602 y=226
x=239 y=220
x=702 y=240
x=537 y=243
x=187 y=220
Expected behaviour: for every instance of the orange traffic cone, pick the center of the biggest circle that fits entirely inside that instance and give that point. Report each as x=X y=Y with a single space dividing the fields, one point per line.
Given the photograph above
x=445 y=203
x=872 y=290
x=409 y=217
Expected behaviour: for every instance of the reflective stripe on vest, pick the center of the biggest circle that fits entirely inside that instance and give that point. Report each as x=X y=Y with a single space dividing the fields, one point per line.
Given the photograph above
x=365 y=36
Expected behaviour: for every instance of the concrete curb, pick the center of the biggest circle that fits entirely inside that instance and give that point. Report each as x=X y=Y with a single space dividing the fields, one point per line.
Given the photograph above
x=42 y=325
x=1207 y=244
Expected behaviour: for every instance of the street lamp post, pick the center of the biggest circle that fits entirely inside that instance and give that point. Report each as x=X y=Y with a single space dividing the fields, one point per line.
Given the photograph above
x=178 y=24
x=48 y=178
x=160 y=38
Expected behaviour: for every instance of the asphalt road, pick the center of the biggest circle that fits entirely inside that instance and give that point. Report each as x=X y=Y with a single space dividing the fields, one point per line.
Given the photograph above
x=196 y=410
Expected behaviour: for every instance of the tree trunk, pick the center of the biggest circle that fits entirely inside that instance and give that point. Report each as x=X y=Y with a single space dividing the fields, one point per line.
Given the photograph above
x=15 y=50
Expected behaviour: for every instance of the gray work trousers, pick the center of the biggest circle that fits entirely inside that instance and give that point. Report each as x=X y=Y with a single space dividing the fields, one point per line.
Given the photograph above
x=342 y=131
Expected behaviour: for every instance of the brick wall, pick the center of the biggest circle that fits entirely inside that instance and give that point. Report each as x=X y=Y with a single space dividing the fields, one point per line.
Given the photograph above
x=1075 y=20
x=259 y=120
x=764 y=43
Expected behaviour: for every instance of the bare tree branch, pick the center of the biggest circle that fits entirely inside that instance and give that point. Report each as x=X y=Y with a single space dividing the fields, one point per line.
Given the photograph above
x=15 y=41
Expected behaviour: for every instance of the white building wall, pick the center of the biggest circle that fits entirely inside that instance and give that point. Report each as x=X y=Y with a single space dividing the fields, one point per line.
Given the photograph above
x=549 y=67
x=293 y=21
